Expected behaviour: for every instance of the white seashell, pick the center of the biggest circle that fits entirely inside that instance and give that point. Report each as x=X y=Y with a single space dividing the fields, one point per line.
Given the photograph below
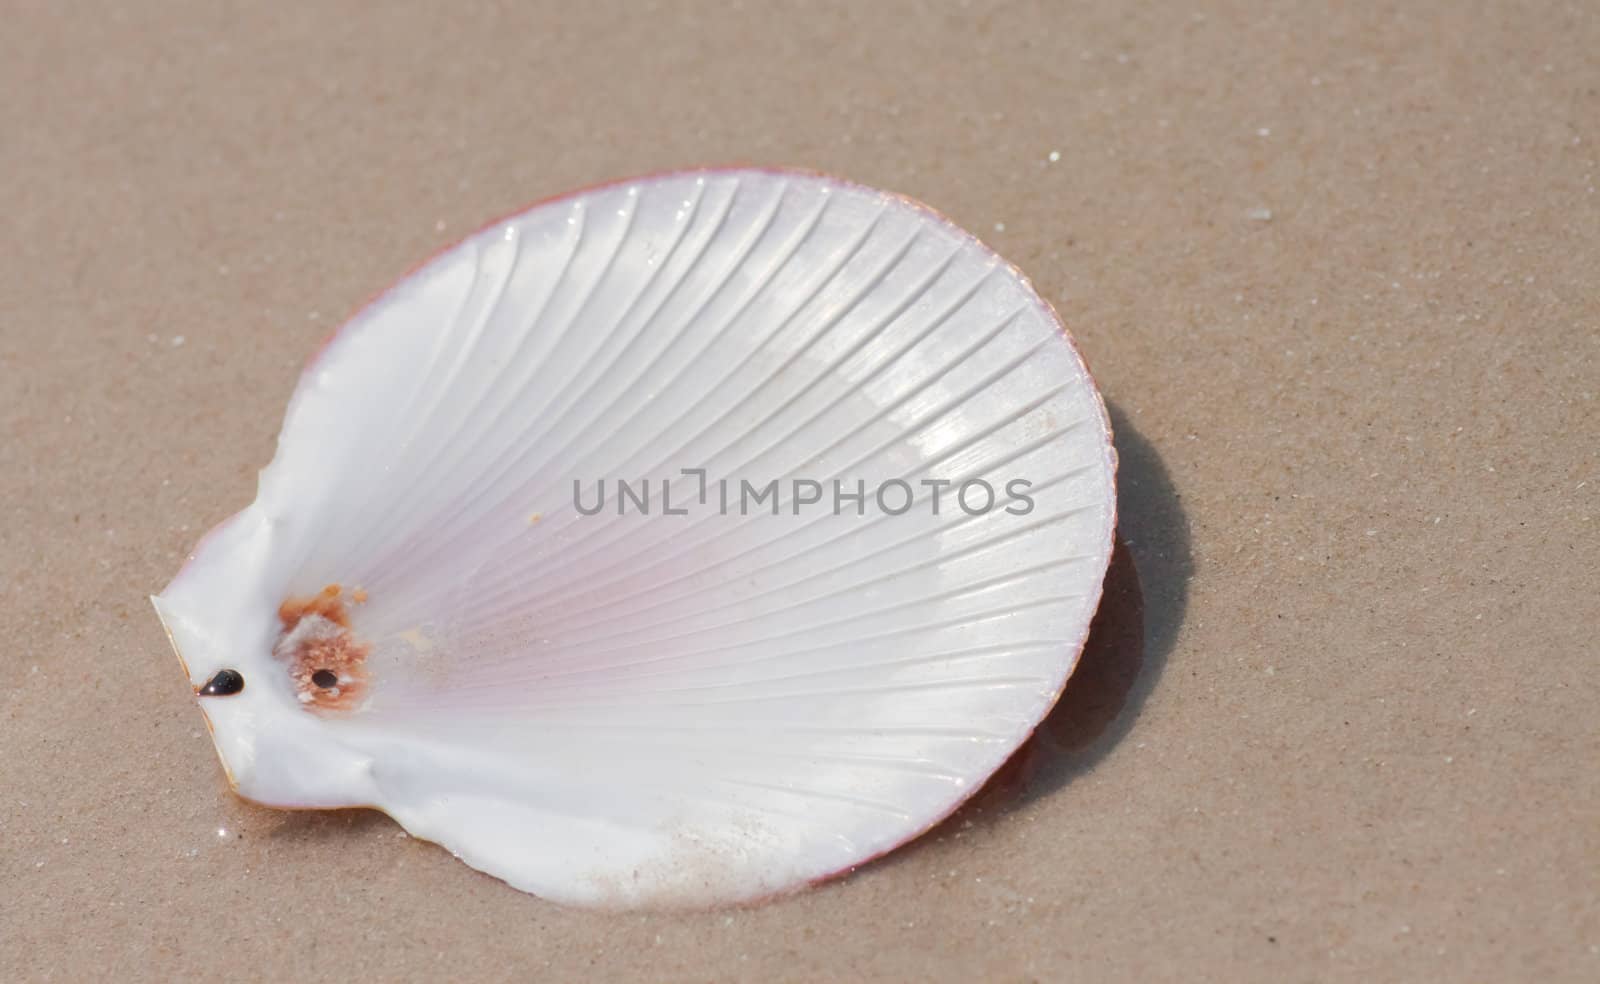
x=667 y=708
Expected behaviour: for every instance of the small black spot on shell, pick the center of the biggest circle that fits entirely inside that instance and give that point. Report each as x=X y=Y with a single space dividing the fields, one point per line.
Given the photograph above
x=325 y=678
x=223 y=683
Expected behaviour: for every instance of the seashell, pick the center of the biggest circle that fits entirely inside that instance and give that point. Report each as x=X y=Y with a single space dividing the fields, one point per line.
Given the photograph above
x=504 y=581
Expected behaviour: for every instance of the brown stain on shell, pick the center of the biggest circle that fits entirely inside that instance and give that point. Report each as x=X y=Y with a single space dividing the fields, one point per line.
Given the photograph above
x=317 y=642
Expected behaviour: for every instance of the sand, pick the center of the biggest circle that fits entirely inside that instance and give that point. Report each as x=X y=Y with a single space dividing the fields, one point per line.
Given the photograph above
x=1337 y=269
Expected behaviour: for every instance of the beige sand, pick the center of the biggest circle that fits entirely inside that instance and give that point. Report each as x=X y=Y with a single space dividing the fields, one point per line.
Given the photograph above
x=1354 y=734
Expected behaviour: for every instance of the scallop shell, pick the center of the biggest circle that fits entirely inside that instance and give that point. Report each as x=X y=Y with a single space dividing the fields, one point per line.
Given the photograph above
x=442 y=603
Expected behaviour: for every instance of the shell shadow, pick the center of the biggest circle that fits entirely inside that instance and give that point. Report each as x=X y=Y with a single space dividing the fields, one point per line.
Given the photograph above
x=317 y=825
x=1133 y=633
